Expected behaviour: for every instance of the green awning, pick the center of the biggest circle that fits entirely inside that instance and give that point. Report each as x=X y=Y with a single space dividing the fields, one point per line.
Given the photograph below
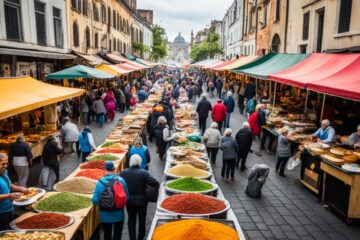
x=79 y=71
x=269 y=64
x=131 y=57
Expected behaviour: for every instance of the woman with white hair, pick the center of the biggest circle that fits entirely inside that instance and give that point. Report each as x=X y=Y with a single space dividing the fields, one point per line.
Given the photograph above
x=137 y=180
x=244 y=141
x=162 y=136
x=229 y=102
x=212 y=137
x=326 y=133
x=140 y=149
x=283 y=151
x=20 y=156
x=230 y=151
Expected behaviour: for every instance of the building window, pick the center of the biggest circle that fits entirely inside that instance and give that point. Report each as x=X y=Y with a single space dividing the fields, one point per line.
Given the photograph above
x=103 y=13
x=344 y=16
x=306 y=20
x=76 y=5
x=303 y=48
x=58 y=32
x=109 y=44
x=265 y=17
x=124 y=25
x=96 y=40
x=85 y=7
x=118 y=22
x=119 y=46
x=124 y=48
x=13 y=20
x=75 y=34
x=275 y=45
x=114 y=19
x=109 y=16
x=87 y=37
x=114 y=42
x=40 y=22
x=277 y=10
x=96 y=12
x=103 y=41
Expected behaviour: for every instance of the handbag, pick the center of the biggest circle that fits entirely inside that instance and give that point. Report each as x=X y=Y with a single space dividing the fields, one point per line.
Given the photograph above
x=151 y=194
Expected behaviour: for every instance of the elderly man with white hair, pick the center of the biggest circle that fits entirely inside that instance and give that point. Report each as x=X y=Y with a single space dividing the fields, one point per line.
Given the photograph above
x=244 y=141
x=325 y=133
x=202 y=109
x=137 y=180
x=212 y=137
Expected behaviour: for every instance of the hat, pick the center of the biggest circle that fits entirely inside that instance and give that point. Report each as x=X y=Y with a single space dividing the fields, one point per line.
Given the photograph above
x=87 y=129
x=109 y=166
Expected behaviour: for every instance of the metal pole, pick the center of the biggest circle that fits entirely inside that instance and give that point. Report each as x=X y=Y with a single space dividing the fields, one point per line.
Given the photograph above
x=306 y=101
x=274 y=94
x=322 y=109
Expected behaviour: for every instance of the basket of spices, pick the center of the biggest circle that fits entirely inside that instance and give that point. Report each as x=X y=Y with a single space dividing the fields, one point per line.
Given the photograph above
x=186 y=170
x=103 y=157
x=63 y=202
x=79 y=185
x=31 y=235
x=95 y=174
x=194 y=204
x=191 y=185
x=43 y=221
x=194 y=229
x=98 y=164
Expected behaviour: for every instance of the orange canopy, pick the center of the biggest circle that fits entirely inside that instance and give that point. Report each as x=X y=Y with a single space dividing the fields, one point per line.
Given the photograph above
x=22 y=94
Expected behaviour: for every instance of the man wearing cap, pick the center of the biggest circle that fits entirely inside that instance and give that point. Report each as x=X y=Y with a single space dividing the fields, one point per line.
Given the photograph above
x=111 y=221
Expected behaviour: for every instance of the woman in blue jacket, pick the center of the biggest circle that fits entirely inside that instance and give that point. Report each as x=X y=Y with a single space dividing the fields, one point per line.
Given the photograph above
x=140 y=149
x=111 y=221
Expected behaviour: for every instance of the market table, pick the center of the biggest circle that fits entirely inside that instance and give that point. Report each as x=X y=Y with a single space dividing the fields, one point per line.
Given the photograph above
x=310 y=173
x=86 y=220
x=341 y=190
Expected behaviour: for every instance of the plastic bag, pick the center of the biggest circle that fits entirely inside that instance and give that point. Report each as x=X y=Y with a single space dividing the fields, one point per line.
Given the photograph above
x=194 y=138
x=294 y=161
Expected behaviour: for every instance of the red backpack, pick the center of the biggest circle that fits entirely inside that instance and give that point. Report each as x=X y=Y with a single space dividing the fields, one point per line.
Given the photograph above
x=113 y=197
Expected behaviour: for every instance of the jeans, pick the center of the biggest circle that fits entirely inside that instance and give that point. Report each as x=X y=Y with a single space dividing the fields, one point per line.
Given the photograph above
x=108 y=230
x=85 y=118
x=281 y=163
x=100 y=119
x=212 y=152
x=227 y=120
x=23 y=174
x=5 y=219
x=84 y=155
x=242 y=156
x=202 y=125
x=134 y=213
x=228 y=168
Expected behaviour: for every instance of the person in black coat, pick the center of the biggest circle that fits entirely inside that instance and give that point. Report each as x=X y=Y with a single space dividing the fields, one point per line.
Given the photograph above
x=137 y=180
x=244 y=140
x=250 y=91
x=50 y=156
x=202 y=109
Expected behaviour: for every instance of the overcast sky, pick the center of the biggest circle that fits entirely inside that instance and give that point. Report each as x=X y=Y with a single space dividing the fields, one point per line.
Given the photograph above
x=184 y=15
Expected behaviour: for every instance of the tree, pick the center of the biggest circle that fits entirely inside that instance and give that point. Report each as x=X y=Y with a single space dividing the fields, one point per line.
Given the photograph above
x=158 y=49
x=139 y=48
x=209 y=48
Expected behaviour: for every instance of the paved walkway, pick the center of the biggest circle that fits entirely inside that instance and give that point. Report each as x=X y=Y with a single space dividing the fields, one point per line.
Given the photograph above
x=286 y=209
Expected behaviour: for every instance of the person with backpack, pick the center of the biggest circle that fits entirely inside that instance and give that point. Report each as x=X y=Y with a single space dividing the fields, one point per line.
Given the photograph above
x=250 y=106
x=139 y=182
x=86 y=143
x=111 y=195
x=211 y=87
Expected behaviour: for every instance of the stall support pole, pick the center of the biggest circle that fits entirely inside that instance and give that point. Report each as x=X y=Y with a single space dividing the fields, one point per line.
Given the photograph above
x=306 y=101
x=322 y=108
x=274 y=94
x=256 y=87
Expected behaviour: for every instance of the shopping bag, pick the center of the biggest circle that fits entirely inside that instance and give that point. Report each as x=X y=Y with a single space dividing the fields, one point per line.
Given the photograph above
x=294 y=161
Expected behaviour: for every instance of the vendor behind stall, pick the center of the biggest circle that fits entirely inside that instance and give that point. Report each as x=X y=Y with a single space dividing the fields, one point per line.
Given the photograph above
x=354 y=139
x=325 y=133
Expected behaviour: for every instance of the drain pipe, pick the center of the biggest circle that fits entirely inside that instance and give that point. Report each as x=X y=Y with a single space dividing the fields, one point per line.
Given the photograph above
x=286 y=24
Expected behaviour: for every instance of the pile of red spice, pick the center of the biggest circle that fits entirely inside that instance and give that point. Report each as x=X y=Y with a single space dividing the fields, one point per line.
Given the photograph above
x=111 y=150
x=95 y=174
x=93 y=165
x=44 y=221
x=192 y=203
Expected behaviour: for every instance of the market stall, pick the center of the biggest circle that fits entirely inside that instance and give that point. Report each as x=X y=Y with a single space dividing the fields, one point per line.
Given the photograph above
x=28 y=107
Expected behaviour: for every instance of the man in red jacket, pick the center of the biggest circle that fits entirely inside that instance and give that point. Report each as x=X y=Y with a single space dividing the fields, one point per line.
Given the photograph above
x=219 y=113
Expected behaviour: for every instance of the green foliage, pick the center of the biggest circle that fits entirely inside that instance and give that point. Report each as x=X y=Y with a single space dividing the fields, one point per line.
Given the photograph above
x=139 y=48
x=158 y=49
x=208 y=48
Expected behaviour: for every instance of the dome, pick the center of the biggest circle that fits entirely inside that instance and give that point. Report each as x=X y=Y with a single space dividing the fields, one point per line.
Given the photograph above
x=179 y=39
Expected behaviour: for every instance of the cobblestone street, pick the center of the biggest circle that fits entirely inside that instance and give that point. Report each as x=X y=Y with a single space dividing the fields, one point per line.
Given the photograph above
x=286 y=209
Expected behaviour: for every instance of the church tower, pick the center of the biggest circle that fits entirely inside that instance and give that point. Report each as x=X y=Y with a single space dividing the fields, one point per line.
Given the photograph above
x=192 y=39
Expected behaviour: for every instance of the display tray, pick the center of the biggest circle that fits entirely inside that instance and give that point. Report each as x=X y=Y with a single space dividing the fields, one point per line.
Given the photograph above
x=31 y=200
x=71 y=221
x=211 y=192
x=216 y=215
x=61 y=234
x=169 y=176
x=161 y=221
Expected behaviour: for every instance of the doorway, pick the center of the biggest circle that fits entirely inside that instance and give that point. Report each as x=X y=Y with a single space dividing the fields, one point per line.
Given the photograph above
x=320 y=29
